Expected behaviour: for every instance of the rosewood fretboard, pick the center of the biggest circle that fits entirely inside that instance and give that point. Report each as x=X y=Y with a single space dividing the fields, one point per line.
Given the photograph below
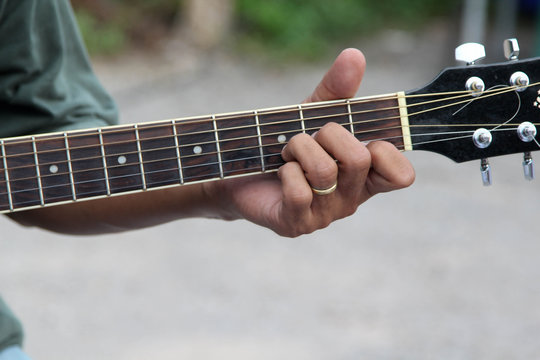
x=43 y=170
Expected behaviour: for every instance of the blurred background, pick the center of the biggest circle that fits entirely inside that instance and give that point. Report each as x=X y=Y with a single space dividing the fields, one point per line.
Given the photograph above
x=447 y=269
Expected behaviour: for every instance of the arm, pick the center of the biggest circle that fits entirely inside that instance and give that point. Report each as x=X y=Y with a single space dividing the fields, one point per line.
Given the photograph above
x=284 y=202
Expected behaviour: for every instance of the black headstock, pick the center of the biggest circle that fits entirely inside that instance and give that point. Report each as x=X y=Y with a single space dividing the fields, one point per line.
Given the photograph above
x=444 y=115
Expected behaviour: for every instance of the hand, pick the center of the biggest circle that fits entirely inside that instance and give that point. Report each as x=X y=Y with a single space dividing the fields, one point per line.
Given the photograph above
x=286 y=203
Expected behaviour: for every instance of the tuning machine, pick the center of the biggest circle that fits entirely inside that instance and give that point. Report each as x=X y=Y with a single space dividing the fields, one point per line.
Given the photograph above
x=528 y=166
x=485 y=171
x=511 y=49
x=527 y=132
x=470 y=53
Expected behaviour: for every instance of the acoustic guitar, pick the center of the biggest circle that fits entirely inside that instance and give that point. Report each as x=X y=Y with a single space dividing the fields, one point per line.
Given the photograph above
x=466 y=113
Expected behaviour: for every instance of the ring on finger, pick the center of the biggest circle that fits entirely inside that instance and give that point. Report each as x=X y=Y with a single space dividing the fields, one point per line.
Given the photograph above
x=327 y=191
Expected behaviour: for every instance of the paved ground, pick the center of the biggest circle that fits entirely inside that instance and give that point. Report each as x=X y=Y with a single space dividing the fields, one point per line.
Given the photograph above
x=445 y=270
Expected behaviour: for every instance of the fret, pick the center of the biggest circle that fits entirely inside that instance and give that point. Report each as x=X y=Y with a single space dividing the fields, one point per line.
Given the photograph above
x=87 y=164
x=177 y=147
x=140 y=157
x=378 y=119
x=218 y=149
x=160 y=155
x=6 y=203
x=40 y=186
x=277 y=128
x=123 y=165
x=301 y=112
x=198 y=149
x=349 y=111
x=316 y=116
x=53 y=169
x=21 y=166
x=104 y=158
x=259 y=140
x=70 y=167
x=240 y=144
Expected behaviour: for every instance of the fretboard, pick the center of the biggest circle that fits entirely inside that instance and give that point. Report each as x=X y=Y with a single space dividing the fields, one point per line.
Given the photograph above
x=43 y=170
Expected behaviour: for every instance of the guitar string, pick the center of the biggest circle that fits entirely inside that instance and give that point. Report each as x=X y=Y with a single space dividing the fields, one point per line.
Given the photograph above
x=345 y=124
x=213 y=175
x=245 y=137
x=129 y=129
x=208 y=177
x=167 y=124
x=233 y=150
x=209 y=153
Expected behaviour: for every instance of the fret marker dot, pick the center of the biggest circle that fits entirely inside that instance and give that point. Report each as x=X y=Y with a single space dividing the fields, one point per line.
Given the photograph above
x=122 y=160
x=197 y=150
x=53 y=169
x=281 y=138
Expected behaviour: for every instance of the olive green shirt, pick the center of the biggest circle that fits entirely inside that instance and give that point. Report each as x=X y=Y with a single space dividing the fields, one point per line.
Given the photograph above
x=46 y=85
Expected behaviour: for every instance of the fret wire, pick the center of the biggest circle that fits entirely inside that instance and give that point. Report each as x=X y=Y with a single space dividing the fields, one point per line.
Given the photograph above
x=38 y=172
x=70 y=168
x=156 y=172
x=104 y=158
x=326 y=116
x=136 y=127
x=301 y=112
x=177 y=145
x=259 y=139
x=287 y=132
x=8 y=184
x=218 y=147
x=329 y=104
x=213 y=153
x=401 y=147
x=349 y=110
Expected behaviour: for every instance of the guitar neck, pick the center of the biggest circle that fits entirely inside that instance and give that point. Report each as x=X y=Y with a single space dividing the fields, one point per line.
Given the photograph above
x=44 y=170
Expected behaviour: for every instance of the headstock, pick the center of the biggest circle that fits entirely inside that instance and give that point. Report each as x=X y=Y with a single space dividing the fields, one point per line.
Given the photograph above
x=479 y=111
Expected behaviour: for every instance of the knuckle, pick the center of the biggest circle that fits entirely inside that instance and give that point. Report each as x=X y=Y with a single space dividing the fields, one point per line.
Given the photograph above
x=360 y=158
x=406 y=177
x=299 y=198
x=350 y=208
x=326 y=172
x=299 y=139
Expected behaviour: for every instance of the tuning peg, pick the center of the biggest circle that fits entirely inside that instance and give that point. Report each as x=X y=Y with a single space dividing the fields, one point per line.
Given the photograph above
x=470 y=53
x=528 y=166
x=511 y=49
x=485 y=170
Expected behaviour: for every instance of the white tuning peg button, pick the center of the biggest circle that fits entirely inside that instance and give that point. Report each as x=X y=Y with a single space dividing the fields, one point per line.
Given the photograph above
x=470 y=53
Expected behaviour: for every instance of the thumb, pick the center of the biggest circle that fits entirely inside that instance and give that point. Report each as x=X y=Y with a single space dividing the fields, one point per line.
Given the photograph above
x=343 y=79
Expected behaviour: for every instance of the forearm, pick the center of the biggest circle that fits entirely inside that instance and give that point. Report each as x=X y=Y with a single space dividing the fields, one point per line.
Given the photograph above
x=122 y=213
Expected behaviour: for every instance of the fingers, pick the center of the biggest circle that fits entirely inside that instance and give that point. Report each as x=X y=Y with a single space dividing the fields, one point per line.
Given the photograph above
x=318 y=166
x=331 y=156
x=353 y=158
x=391 y=170
x=343 y=78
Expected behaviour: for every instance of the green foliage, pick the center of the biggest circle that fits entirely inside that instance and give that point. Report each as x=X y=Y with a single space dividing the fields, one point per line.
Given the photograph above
x=306 y=29
x=100 y=38
x=285 y=28
x=109 y=26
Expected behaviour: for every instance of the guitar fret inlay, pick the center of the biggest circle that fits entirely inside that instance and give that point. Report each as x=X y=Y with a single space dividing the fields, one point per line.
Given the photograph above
x=281 y=139
x=197 y=150
x=122 y=160
x=53 y=169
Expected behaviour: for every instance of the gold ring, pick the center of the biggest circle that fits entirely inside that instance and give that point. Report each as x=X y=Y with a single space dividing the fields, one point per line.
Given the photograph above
x=321 y=192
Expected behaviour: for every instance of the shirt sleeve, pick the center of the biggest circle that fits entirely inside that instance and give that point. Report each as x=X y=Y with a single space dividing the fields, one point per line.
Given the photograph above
x=11 y=331
x=46 y=80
